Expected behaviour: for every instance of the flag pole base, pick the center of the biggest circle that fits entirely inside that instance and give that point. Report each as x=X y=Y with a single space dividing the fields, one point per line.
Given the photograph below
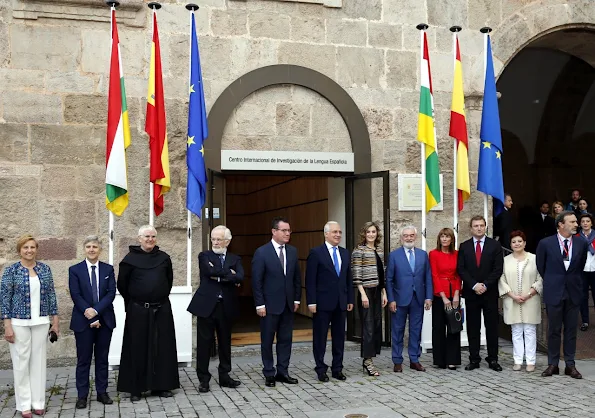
x=113 y=4
x=485 y=29
x=154 y=5
x=422 y=26
x=455 y=29
x=192 y=7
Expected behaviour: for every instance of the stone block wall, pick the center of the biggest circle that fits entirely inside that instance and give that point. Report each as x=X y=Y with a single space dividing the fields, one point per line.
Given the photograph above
x=53 y=86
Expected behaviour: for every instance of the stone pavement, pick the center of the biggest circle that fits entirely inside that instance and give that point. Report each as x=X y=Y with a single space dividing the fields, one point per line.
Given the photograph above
x=436 y=393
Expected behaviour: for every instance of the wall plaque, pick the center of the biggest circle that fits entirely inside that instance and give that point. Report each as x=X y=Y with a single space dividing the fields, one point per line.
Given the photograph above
x=410 y=193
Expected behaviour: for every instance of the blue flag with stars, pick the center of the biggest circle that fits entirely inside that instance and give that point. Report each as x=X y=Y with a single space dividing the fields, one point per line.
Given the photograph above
x=489 y=178
x=197 y=133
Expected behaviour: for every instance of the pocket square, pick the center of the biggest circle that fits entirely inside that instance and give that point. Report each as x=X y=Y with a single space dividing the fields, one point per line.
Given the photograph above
x=106 y=277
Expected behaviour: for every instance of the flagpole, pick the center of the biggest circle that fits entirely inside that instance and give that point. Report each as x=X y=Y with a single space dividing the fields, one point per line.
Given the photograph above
x=485 y=30
x=191 y=8
x=110 y=228
x=153 y=6
x=422 y=29
x=455 y=216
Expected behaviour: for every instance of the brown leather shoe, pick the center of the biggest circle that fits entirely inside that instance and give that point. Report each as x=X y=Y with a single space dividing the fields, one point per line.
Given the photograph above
x=551 y=369
x=572 y=372
x=398 y=368
x=417 y=366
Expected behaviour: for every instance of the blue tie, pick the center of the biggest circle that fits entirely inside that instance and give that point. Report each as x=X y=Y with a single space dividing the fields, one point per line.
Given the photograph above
x=336 y=261
x=222 y=259
x=412 y=260
x=94 y=285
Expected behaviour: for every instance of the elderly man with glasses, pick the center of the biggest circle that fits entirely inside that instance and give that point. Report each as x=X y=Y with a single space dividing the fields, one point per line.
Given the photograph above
x=215 y=304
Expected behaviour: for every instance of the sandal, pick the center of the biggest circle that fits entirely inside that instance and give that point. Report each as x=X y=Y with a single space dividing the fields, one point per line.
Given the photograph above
x=369 y=367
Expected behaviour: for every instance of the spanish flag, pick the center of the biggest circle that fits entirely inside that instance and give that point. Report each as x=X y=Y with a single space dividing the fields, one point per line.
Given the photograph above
x=118 y=132
x=426 y=133
x=155 y=126
x=458 y=130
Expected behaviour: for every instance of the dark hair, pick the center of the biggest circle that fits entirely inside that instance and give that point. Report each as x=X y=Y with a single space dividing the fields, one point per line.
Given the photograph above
x=477 y=218
x=544 y=202
x=561 y=218
x=507 y=195
x=585 y=215
x=450 y=233
x=276 y=220
x=575 y=190
x=364 y=229
x=586 y=201
x=518 y=233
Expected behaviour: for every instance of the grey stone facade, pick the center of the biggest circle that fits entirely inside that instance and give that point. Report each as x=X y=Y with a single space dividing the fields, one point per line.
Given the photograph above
x=53 y=86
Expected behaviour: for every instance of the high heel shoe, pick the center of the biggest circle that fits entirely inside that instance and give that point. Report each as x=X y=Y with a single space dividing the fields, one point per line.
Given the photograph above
x=369 y=368
x=26 y=414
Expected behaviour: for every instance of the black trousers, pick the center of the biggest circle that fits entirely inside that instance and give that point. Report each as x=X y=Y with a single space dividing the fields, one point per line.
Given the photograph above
x=88 y=341
x=281 y=326
x=205 y=335
x=371 y=319
x=320 y=325
x=446 y=348
x=488 y=304
x=588 y=283
x=565 y=313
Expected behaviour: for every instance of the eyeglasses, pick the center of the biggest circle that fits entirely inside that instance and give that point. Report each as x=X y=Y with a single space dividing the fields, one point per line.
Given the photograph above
x=285 y=231
x=149 y=236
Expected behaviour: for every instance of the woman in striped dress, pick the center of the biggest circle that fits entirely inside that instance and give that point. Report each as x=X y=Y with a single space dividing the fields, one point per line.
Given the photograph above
x=367 y=265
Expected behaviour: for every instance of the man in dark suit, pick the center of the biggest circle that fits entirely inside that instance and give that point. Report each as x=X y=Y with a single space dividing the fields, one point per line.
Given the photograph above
x=503 y=223
x=277 y=290
x=329 y=293
x=480 y=263
x=546 y=224
x=560 y=261
x=215 y=304
x=92 y=287
x=409 y=291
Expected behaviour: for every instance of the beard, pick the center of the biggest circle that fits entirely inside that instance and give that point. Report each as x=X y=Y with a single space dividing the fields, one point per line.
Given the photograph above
x=409 y=245
x=219 y=251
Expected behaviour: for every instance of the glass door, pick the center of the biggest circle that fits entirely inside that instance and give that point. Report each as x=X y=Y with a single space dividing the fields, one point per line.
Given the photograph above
x=367 y=199
x=214 y=210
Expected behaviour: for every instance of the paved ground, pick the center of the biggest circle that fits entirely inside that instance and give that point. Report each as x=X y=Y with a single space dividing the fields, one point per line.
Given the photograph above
x=436 y=393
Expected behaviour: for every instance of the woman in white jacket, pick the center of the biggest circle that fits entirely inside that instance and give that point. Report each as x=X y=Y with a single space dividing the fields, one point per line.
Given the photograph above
x=520 y=287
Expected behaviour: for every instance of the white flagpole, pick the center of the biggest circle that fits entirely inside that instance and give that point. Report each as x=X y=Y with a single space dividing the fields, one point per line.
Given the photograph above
x=422 y=30
x=485 y=31
x=110 y=229
x=455 y=216
x=191 y=8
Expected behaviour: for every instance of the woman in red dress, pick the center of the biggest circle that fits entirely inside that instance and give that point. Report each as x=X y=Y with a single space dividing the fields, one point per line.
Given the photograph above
x=446 y=348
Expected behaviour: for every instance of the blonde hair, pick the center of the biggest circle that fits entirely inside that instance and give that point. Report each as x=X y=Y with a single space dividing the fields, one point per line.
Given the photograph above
x=24 y=239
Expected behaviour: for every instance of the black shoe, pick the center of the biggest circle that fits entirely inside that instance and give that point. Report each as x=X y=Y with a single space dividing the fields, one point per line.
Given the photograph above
x=81 y=403
x=339 y=376
x=229 y=383
x=269 y=381
x=323 y=377
x=495 y=366
x=162 y=393
x=286 y=379
x=472 y=366
x=203 y=387
x=104 y=399
x=452 y=367
x=135 y=397
x=584 y=326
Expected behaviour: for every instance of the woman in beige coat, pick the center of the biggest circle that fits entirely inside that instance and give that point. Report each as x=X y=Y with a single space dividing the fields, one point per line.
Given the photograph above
x=520 y=287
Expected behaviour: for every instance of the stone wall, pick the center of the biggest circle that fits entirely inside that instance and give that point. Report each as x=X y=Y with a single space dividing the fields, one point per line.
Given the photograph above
x=53 y=85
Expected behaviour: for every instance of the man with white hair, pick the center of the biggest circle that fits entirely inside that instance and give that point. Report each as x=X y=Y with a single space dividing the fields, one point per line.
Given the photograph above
x=409 y=291
x=329 y=293
x=215 y=304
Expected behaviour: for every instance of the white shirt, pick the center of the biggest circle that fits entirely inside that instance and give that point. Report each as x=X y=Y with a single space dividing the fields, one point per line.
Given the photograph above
x=89 y=265
x=35 y=299
x=277 y=247
x=561 y=244
x=330 y=251
x=543 y=216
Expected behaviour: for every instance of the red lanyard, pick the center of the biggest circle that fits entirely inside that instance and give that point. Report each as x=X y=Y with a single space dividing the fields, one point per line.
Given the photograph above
x=565 y=252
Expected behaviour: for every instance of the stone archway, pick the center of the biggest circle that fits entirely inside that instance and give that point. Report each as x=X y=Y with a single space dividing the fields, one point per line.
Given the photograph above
x=272 y=75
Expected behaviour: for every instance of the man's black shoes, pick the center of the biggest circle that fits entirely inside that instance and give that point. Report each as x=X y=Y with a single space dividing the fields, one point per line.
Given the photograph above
x=339 y=376
x=104 y=399
x=323 y=377
x=286 y=379
x=472 y=366
x=135 y=397
x=495 y=366
x=229 y=383
x=81 y=403
x=203 y=387
x=269 y=381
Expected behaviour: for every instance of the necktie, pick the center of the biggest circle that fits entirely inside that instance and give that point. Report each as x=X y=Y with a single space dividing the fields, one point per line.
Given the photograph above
x=566 y=251
x=412 y=260
x=336 y=261
x=222 y=259
x=478 y=252
x=282 y=259
x=94 y=285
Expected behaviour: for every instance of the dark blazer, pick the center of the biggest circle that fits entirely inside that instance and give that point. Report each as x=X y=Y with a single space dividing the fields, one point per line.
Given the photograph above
x=324 y=288
x=503 y=227
x=79 y=284
x=489 y=271
x=214 y=281
x=272 y=288
x=400 y=280
x=546 y=227
x=550 y=265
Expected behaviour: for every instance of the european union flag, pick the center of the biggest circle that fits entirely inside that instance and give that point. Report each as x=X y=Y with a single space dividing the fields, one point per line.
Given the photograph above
x=198 y=131
x=489 y=178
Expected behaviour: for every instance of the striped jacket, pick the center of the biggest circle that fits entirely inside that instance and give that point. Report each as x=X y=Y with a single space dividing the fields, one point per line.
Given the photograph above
x=363 y=266
x=15 y=292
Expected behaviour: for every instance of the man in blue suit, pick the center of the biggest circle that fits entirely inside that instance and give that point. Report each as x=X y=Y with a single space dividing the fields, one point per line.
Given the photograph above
x=329 y=293
x=277 y=289
x=92 y=287
x=409 y=291
x=560 y=261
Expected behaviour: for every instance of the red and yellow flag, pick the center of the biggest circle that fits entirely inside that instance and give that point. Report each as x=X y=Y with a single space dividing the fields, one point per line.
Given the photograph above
x=458 y=130
x=155 y=126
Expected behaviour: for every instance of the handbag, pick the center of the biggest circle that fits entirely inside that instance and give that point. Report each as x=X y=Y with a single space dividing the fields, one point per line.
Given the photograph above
x=454 y=319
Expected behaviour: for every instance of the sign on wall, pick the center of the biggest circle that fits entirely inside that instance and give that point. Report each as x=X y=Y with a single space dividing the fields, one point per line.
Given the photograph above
x=287 y=161
x=410 y=193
